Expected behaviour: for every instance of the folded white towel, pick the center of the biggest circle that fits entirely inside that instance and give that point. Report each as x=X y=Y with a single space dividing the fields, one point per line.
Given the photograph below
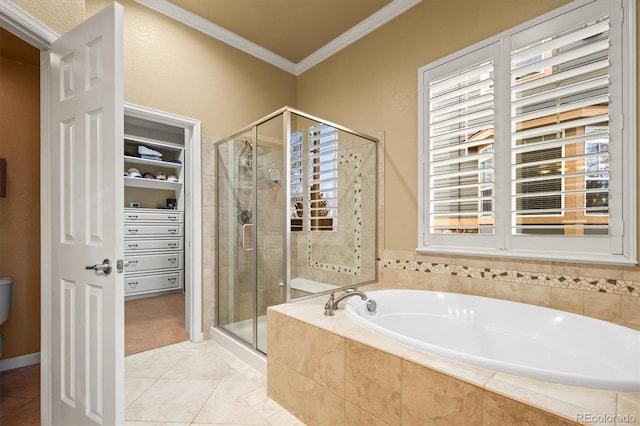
x=143 y=150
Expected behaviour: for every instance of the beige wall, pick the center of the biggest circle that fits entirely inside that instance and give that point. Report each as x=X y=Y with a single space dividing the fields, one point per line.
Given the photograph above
x=174 y=68
x=372 y=86
x=59 y=15
x=20 y=209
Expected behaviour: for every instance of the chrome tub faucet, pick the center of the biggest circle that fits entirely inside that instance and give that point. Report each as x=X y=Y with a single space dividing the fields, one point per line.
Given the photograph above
x=332 y=304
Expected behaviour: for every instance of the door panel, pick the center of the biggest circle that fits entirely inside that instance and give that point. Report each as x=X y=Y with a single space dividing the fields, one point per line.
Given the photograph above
x=86 y=361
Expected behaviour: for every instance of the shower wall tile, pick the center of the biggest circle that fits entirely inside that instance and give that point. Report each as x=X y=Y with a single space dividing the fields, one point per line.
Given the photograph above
x=208 y=194
x=208 y=153
x=208 y=251
x=208 y=222
x=208 y=299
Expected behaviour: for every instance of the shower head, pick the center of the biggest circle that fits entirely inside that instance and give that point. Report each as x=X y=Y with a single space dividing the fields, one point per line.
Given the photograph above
x=245 y=143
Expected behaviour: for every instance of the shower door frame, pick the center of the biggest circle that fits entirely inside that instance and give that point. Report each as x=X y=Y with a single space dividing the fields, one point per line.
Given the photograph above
x=286 y=112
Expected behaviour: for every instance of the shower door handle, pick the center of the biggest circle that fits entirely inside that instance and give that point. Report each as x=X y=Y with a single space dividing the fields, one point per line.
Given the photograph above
x=244 y=234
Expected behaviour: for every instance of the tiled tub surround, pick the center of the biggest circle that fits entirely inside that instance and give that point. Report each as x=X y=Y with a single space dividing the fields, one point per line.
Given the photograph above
x=330 y=370
x=604 y=292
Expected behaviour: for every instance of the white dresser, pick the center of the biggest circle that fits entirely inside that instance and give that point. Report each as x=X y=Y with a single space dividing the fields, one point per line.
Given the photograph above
x=154 y=250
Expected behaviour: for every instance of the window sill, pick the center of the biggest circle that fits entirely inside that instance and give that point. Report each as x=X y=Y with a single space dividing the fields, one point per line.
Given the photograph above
x=599 y=258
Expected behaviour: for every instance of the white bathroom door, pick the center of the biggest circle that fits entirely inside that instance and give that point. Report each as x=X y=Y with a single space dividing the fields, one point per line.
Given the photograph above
x=86 y=330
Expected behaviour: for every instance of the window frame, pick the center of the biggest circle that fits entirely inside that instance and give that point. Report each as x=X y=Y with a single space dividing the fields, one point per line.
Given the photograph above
x=621 y=246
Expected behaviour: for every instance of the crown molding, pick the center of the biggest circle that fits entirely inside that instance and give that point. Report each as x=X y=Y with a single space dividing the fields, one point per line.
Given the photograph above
x=23 y=25
x=381 y=17
x=209 y=28
x=373 y=22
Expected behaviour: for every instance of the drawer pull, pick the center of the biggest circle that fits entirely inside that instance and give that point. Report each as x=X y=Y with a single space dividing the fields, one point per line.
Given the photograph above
x=172 y=231
x=132 y=216
x=172 y=280
x=173 y=217
x=132 y=231
x=133 y=284
x=133 y=262
x=172 y=259
x=173 y=245
x=132 y=245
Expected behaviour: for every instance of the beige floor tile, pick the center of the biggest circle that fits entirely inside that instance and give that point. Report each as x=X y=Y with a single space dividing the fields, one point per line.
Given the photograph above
x=284 y=418
x=134 y=387
x=225 y=405
x=171 y=401
x=156 y=424
x=259 y=401
x=152 y=364
x=203 y=366
x=200 y=384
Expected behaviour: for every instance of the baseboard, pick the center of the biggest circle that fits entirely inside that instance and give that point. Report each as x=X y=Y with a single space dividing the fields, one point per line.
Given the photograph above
x=255 y=360
x=19 y=361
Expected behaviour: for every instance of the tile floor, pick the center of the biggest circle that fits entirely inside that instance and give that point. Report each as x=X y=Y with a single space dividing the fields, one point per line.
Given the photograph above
x=182 y=384
x=199 y=384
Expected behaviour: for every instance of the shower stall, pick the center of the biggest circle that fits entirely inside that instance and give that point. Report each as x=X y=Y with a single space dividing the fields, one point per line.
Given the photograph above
x=296 y=216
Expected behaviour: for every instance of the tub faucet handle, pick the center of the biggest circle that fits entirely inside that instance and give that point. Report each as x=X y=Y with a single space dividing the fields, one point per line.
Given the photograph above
x=332 y=304
x=328 y=307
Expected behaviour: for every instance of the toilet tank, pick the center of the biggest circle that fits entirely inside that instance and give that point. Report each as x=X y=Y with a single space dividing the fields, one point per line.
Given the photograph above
x=6 y=297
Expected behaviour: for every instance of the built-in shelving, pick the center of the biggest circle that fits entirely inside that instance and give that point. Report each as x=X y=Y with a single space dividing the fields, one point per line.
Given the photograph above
x=154 y=234
x=151 y=184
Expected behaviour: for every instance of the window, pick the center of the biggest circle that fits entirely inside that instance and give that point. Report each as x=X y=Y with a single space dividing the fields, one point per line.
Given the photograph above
x=323 y=181
x=315 y=198
x=524 y=152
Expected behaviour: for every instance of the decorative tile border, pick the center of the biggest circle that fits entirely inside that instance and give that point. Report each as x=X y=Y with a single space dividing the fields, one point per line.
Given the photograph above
x=355 y=269
x=602 y=285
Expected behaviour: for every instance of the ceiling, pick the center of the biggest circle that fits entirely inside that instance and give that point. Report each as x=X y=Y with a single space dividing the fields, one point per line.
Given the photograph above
x=293 y=29
x=291 y=34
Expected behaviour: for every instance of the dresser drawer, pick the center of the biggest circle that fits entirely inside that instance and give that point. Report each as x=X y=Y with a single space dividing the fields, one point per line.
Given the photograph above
x=155 y=245
x=149 y=262
x=142 y=215
x=175 y=230
x=156 y=282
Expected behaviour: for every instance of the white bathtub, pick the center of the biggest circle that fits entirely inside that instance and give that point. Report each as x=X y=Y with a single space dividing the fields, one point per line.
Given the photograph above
x=509 y=337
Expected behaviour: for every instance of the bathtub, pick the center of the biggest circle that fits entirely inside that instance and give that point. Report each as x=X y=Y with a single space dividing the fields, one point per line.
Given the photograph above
x=508 y=337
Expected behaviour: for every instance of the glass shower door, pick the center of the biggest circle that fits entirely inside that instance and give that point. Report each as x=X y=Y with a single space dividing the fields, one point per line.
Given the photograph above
x=270 y=222
x=236 y=248
x=250 y=238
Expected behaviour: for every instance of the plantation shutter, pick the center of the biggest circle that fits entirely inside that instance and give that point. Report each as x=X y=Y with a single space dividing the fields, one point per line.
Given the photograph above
x=560 y=133
x=526 y=151
x=323 y=178
x=461 y=127
x=297 y=179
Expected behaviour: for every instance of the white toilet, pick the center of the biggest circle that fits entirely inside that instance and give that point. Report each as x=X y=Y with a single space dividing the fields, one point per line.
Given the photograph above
x=6 y=301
